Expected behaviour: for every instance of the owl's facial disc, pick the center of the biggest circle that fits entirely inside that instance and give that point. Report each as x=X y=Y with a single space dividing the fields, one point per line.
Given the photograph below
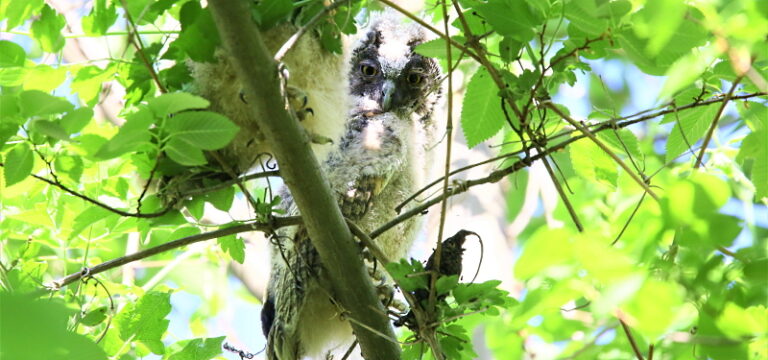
x=388 y=76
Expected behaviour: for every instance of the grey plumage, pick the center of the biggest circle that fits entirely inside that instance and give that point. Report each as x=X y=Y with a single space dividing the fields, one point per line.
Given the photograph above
x=382 y=157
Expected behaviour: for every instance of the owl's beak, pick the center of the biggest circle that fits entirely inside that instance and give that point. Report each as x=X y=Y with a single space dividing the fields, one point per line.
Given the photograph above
x=388 y=89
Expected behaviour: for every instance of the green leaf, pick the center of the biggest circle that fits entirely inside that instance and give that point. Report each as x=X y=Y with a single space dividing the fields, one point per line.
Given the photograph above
x=184 y=153
x=47 y=30
x=654 y=307
x=736 y=322
x=75 y=120
x=466 y=293
x=613 y=265
x=583 y=14
x=133 y=133
x=18 y=164
x=144 y=321
x=405 y=273
x=234 y=246
x=592 y=163
x=755 y=147
x=168 y=104
x=271 y=12
x=481 y=113
x=201 y=129
x=100 y=19
x=13 y=76
x=622 y=141
x=40 y=331
x=44 y=78
x=95 y=317
x=50 y=128
x=199 y=36
x=198 y=349
x=445 y=284
x=69 y=166
x=221 y=199
x=556 y=243
x=660 y=20
x=689 y=34
x=90 y=216
x=685 y=70
x=11 y=54
x=38 y=103
x=510 y=18
x=19 y=11
x=690 y=126
x=437 y=49
x=89 y=80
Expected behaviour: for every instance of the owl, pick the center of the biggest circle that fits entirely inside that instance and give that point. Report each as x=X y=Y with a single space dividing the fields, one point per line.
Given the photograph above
x=318 y=97
x=382 y=157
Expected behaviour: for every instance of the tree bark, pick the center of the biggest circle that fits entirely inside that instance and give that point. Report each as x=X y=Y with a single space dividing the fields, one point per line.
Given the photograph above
x=301 y=172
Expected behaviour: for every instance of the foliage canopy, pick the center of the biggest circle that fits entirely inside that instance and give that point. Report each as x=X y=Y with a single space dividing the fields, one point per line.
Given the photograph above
x=663 y=179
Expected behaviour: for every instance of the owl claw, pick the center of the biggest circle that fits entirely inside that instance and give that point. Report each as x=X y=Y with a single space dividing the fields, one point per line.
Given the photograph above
x=298 y=101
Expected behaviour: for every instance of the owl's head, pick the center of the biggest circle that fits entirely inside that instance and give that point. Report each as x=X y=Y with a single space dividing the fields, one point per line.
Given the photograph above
x=386 y=75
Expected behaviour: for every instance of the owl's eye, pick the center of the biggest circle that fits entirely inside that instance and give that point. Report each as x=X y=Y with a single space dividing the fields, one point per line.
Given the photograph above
x=415 y=78
x=368 y=70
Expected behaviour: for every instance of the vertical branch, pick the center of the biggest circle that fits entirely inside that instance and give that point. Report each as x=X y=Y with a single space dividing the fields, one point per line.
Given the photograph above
x=135 y=39
x=712 y=127
x=437 y=352
x=299 y=168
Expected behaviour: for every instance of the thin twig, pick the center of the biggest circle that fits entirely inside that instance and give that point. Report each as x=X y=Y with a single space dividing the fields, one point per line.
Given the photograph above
x=631 y=339
x=136 y=42
x=107 y=265
x=228 y=183
x=61 y=186
x=602 y=146
x=712 y=127
x=629 y=220
x=302 y=30
x=430 y=28
x=595 y=128
x=444 y=205
x=563 y=195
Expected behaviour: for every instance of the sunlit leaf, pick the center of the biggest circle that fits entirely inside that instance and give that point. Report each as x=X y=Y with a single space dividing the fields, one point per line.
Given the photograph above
x=167 y=104
x=481 y=113
x=18 y=164
x=47 y=29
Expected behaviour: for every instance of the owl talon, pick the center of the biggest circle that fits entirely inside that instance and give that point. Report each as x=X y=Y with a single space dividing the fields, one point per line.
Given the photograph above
x=298 y=100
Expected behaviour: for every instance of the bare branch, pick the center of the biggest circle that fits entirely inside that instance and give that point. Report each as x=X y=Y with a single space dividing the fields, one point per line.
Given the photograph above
x=303 y=30
x=111 y=264
x=715 y=121
x=632 y=341
x=135 y=40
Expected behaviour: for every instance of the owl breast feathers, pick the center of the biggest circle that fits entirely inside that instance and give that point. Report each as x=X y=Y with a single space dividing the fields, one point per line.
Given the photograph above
x=381 y=158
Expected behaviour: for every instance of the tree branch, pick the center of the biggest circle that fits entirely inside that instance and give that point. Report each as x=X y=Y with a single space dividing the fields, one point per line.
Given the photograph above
x=632 y=341
x=712 y=127
x=301 y=172
x=111 y=264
